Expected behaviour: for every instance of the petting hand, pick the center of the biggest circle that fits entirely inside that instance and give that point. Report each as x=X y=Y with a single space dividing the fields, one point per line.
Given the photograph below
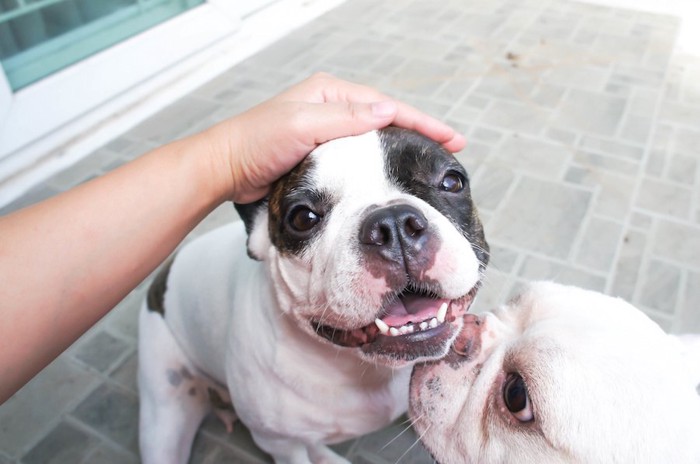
x=268 y=140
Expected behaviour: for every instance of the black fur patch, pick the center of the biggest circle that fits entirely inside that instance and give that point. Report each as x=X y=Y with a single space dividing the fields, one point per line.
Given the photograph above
x=156 y=292
x=418 y=165
x=290 y=192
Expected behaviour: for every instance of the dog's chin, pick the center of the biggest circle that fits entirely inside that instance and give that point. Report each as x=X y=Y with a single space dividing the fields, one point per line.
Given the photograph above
x=399 y=338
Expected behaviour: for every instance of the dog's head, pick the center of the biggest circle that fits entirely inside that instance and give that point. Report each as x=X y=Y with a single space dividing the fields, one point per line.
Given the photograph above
x=560 y=374
x=373 y=243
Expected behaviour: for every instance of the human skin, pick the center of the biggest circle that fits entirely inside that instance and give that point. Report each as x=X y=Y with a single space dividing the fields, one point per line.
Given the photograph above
x=66 y=261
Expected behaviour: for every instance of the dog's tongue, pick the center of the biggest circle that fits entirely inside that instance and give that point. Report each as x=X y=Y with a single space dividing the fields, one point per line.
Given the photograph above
x=412 y=308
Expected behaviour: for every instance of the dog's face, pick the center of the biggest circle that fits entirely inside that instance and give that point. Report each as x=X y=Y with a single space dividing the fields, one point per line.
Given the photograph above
x=373 y=244
x=559 y=374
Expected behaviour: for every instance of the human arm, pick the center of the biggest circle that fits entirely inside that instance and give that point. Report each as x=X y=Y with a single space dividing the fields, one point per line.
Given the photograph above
x=65 y=262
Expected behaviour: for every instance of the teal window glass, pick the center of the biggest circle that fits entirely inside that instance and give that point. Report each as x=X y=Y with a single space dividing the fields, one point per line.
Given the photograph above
x=40 y=37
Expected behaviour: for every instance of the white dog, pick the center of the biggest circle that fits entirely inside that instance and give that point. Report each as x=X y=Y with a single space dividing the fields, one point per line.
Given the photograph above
x=364 y=259
x=561 y=374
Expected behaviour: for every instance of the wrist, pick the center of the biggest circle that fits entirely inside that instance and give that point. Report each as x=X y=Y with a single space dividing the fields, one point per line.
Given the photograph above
x=211 y=154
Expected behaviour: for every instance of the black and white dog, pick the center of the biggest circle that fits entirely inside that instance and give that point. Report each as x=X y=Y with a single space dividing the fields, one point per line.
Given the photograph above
x=359 y=263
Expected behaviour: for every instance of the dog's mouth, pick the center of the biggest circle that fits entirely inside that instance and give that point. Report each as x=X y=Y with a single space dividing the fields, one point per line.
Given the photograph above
x=416 y=324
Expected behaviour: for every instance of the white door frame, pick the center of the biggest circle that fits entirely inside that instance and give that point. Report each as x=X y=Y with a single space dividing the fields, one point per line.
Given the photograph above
x=241 y=31
x=31 y=115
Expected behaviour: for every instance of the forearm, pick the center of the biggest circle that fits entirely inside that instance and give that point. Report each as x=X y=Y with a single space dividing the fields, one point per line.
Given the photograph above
x=75 y=256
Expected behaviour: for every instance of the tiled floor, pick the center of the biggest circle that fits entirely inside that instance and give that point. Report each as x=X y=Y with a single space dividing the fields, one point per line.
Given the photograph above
x=584 y=152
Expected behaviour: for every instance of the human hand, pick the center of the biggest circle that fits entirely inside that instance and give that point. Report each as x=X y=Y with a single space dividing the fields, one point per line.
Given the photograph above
x=265 y=142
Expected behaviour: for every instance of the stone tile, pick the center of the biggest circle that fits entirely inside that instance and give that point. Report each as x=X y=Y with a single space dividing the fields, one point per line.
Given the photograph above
x=605 y=162
x=688 y=320
x=473 y=156
x=82 y=171
x=486 y=135
x=510 y=85
x=123 y=319
x=503 y=259
x=64 y=444
x=422 y=77
x=535 y=268
x=677 y=242
x=490 y=186
x=34 y=195
x=541 y=216
x=108 y=455
x=127 y=149
x=661 y=286
x=183 y=117
x=113 y=413
x=101 y=351
x=656 y=163
x=394 y=444
x=627 y=269
x=533 y=156
x=239 y=438
x=611 y=147
x=497 y=286
x=590 y=112
x=561 y=135
x=578 y=76
x=687 y=142
x=641 y=220
x=517 y=117
x=680 y=113
x=38 y=406
x=599 y=243
x=664 y=198
x=636 y=129
x=125 y=374
x=683 y=169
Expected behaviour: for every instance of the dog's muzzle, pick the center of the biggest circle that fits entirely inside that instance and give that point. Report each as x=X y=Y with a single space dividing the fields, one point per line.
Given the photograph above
x=413 y=326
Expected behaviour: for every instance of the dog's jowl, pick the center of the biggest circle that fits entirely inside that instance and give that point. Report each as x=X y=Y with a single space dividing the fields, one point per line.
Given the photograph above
x=306 y=317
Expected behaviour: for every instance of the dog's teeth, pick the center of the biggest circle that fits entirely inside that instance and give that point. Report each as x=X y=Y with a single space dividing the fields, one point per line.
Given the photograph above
x=442 y=312
x=433 y=323
x=423 y=325
x=394 y=331
x=410 y=328
x=383 y=327
x=403 y=330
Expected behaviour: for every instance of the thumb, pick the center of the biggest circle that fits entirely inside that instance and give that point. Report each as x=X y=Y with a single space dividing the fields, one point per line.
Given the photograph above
x=334 y=120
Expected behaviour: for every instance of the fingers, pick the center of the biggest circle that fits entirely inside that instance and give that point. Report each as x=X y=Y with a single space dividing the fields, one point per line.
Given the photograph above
x=322 y=87
x=409 y=117
x=327 y=121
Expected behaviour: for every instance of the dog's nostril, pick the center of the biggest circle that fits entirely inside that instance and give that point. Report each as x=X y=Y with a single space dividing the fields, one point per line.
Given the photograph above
x=414 y=226
x=378 y=235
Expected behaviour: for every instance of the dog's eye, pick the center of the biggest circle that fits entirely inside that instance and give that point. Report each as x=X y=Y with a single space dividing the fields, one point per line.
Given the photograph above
x=452 y=182
x=302 y=219
x=516 y=398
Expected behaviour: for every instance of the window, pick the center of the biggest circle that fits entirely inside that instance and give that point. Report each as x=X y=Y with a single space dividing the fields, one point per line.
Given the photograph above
x=40 y=37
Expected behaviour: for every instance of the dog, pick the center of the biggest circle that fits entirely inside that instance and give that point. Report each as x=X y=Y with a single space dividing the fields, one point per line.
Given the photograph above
x=304 y=320
x=561 y=375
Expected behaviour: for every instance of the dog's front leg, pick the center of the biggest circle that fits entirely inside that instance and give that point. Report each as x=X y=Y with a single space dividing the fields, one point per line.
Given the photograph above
x=173 y=399
x=322 y=454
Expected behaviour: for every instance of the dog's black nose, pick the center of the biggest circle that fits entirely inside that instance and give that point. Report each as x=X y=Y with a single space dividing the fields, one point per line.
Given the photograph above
x=395 y=232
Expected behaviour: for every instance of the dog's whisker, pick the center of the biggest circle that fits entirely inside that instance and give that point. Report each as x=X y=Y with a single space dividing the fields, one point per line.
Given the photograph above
x=408 y=427
x=414 y=444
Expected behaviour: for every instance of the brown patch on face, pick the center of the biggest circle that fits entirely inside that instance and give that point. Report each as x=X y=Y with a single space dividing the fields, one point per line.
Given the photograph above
x=156 y=292
x=290 y=192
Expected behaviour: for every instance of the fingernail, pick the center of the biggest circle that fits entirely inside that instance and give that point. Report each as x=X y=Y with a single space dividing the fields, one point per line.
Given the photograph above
x=384 y=109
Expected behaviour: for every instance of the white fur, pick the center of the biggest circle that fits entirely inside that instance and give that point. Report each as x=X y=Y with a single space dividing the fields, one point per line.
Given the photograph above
x=606 y=384
x=244 y=326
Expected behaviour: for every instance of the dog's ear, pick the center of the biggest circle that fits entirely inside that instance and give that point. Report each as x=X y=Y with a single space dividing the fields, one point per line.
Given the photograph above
x=254 y=216
x=690 y=349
